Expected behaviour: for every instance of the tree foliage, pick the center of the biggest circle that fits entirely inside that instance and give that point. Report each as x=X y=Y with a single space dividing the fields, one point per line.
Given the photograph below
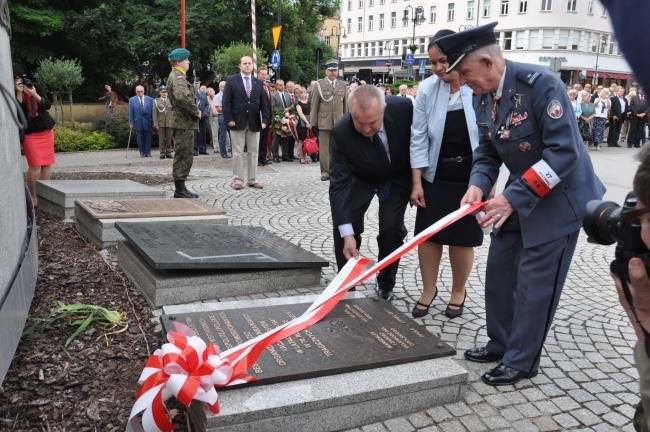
x=59 y=75
x=114 y=39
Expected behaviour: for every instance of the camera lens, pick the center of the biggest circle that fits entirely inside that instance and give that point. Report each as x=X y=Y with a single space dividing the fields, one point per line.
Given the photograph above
x=601 y=222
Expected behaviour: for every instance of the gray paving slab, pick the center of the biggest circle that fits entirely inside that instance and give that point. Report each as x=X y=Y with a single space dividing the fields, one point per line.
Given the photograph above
x=590 y=340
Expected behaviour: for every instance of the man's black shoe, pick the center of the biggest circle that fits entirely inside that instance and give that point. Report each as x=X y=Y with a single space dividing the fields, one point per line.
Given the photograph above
x=162 y=156
x=385 y=294
x=481 y=355
x=505 y=375
x=286 y=159
x=196 y=153
x=277 y=159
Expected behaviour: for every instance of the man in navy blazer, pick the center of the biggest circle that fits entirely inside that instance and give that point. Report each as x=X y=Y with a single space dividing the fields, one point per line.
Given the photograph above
x=141 y=119
x=370 y=156
x=246 y=112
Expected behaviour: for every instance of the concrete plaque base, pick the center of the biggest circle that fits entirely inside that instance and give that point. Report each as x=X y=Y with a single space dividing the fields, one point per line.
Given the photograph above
x=328 y=403
x=176 y=287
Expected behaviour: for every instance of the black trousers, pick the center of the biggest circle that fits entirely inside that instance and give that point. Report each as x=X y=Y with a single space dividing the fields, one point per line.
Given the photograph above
x=636 y=130
x=614 y=132
x=392 y=232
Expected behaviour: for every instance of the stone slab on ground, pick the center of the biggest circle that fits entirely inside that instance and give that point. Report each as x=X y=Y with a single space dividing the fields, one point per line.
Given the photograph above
x=57 y=197
x=328 y=403
x=95 y=220
x=175 y=287
x=200 y=246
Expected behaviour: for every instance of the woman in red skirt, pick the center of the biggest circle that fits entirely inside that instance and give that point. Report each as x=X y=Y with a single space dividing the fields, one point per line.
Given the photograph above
x=38 y=140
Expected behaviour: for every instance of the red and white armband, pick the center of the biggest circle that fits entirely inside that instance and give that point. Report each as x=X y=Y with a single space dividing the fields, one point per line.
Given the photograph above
x=541 y=178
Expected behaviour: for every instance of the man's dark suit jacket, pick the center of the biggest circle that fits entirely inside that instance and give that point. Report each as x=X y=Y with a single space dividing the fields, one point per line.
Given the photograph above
x=355 y=167
x=637 y=106
x=616 y=108
x=245 y=111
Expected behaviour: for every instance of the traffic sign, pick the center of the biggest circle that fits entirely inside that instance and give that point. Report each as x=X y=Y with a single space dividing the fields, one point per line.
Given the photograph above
x=275 y=59
x=423 y=65
x=409 y=59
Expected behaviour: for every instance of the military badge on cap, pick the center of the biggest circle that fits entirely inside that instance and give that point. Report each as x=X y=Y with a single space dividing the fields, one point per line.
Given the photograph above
x=554 y=109
x=456 y=46
x=332 y=64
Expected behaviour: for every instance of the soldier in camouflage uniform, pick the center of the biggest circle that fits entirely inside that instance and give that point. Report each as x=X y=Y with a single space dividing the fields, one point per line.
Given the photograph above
x=185 y=119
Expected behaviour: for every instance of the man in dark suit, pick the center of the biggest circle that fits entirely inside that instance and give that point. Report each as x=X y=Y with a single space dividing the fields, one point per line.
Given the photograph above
x=638 y=113
x=281 y=100
x=370 y=155
x=262 y=158
x=246 y=112
x=620 y=110
x=140 y=119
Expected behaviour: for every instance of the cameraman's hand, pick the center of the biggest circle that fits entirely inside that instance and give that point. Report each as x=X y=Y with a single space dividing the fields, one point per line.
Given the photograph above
x=639 y=286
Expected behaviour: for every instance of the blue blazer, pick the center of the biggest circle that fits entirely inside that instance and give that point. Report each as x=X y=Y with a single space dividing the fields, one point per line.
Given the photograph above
x=141 y=118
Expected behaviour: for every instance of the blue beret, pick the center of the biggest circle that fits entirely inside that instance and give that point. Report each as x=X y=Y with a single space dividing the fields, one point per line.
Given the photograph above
x=332 y=64
x=457 y=46
x=179 y=54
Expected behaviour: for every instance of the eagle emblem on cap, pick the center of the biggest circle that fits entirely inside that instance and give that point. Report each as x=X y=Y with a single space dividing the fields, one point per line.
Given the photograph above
x=554 y=109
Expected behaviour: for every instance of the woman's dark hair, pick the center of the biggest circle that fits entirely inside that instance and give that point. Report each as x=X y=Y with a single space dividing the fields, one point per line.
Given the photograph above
x=439 y=34
x=19 y=71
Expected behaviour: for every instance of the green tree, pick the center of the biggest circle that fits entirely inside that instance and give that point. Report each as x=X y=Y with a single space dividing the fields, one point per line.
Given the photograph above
x=60 y=76
x=33 y=25
x=225 y=60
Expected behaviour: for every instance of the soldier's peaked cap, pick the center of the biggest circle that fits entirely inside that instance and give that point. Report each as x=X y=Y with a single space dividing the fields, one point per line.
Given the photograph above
x=179 y=54
x=457 y=46
x=332 y=64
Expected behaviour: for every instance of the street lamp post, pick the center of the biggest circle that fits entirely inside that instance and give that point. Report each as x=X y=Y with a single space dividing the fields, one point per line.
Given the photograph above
x=388 y=46
x=340 y=31
x=594 y=80
x=418 y=18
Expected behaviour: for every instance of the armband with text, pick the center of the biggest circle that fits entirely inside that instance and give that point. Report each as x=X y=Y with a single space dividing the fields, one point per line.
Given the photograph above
x=541 y=178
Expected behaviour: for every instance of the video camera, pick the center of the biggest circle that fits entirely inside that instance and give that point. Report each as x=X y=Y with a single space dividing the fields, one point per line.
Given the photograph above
x=605 y=223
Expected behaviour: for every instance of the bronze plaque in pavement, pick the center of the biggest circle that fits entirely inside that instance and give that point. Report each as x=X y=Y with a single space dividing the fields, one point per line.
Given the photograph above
x=122 y=209
x=357 y=334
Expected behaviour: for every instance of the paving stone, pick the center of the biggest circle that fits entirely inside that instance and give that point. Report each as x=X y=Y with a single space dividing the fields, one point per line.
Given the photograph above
x=597 y=407
x=399 y=425
x=420 y=419
x=566 y=421
x=459 y=409
x=496 y=422
x=511 y=414
x=473 y=423
x=585 y=417
x=546 y=423
x=547 y=407
x=615 y=419
x=452 y=426
x=439 y=414
x=525 y=425
x=375 y=427
x=581 y=396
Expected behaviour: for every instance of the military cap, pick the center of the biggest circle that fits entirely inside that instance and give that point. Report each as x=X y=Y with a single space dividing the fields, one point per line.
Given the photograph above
x=179 y=54
x=332 y=64
x=162 y=89
x=456 y=46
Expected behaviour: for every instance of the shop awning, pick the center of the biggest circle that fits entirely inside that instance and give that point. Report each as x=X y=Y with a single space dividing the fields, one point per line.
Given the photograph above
x=611 y=75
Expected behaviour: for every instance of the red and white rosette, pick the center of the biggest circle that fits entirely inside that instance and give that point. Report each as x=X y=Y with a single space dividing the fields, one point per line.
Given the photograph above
x=189 y=369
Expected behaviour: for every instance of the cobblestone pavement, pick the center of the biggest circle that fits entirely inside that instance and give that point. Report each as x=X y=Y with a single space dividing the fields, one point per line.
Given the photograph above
x=587 y=382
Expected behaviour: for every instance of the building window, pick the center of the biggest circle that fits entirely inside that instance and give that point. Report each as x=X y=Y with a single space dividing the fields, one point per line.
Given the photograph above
x=533 y=40
x=590 y=7
x=547 y=5
x=371 y=3
x=393 y=19
x=547 y=38
x=487 y=4
x=421 y=44
x=349 y=25
x=507 y=41
x=358 y=50
x=349 y=5
x=520 y=40
x=327 y=40
x=604 y=14
x=360 y=24
x=470 y=9
x=571 y=5
x=381 y=21
x=405 y=23
x=574 y=40
x=360 y=4
x=382 y=2
x=504 y=7
x=371 y=23
x=365 y=49
x=432 y=12
x=373 y=49
x=523 y=6
x=563 y=39
x=450 y=12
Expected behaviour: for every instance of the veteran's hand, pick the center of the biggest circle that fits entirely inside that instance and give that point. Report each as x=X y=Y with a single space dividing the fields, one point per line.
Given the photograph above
x=497 y=210
x=639 y=286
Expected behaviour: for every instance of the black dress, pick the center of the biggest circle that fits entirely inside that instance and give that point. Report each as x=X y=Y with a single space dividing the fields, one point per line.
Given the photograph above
x=302 y=128
x=449 y=185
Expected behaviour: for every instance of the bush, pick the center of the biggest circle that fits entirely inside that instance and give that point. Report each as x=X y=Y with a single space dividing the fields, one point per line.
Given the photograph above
x=67 y=139
x=116 y=125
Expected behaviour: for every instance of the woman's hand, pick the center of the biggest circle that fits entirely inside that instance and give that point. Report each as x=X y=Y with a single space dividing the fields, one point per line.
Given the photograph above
x=417 y=196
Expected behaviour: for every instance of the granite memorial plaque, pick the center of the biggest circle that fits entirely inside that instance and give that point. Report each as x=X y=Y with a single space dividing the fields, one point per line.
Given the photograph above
x=122 y=209
x=201 y=246
x=358 y=334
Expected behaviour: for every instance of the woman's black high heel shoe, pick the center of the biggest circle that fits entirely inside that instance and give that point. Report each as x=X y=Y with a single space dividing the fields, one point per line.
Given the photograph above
x=418 y=312
x=455 y=313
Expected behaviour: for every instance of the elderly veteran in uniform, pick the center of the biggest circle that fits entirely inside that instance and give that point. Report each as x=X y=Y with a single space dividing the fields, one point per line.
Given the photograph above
x=162 y=122
x=185 y=119
x=328 y=104
x=526 y=122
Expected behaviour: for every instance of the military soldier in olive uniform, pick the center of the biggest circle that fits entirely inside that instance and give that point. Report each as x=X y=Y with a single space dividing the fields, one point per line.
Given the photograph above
x=328 y=104
x=185 y=119
x=162 y=122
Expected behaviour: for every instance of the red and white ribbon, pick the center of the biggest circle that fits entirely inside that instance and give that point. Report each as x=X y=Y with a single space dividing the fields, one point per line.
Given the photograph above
x=189 y=369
